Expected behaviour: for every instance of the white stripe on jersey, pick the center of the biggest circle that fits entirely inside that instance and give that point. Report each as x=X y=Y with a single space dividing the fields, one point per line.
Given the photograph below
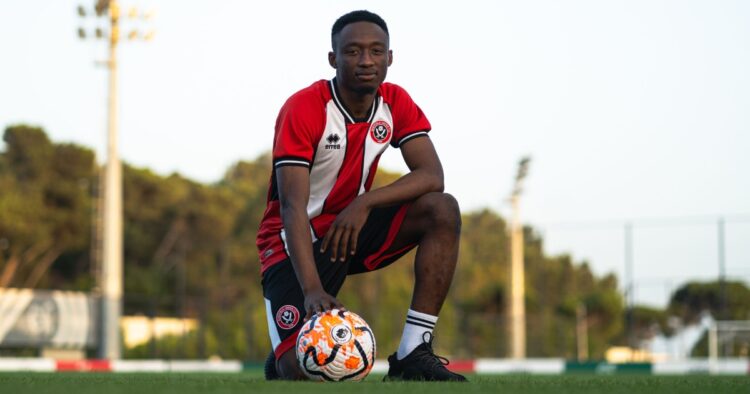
x=289 y=161
x=328 y=162
x=410 y=136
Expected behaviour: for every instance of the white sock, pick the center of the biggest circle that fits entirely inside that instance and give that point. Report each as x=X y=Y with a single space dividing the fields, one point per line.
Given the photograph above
x=417 y=323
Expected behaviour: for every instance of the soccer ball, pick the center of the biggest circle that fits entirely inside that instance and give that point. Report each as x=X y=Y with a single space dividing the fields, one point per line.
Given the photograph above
x=336 y=345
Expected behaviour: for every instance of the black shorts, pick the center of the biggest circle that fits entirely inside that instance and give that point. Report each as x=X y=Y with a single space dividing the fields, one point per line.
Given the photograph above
x=285 y=303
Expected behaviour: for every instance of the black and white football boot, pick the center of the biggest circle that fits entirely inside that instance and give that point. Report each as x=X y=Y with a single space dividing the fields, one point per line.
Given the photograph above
x=422 y=364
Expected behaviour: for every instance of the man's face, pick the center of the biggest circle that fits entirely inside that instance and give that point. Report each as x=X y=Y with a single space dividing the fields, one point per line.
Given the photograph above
x=361 y=57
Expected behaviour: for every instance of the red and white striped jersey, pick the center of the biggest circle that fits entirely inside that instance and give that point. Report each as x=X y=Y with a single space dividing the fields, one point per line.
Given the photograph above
x=316 y=131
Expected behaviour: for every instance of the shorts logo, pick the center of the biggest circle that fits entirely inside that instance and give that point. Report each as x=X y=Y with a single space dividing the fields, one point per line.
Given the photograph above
x=287 y=317
x=380 y=132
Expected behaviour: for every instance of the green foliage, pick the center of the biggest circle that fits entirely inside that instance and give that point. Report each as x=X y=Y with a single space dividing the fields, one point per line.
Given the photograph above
x=724 y=301
x=45 y=207
x=728 y=301
x=556 y=286
x=648 y=322
x=190 y=252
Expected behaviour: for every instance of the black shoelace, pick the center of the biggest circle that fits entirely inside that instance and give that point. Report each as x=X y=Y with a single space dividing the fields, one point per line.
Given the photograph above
x=431 y=358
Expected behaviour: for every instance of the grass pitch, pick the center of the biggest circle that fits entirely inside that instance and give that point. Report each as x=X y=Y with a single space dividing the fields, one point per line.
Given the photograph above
x=245 y=383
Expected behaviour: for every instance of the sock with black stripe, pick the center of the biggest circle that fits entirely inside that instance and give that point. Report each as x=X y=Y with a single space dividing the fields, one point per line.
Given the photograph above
x=417 y=323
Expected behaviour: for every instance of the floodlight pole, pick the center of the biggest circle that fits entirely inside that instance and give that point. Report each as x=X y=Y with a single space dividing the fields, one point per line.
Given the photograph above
x=629 y=286
x=582 y=333
x=111 y=273
x=722 y=314
x=112 y=249
x=517 y=275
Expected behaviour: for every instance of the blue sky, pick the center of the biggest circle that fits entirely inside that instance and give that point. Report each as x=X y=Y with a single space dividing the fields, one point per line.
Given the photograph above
x=630 y=109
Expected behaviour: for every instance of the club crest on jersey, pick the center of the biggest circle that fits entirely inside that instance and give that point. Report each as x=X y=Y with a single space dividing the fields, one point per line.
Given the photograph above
x=333 y=141
x=287 y=317
x=380 y=132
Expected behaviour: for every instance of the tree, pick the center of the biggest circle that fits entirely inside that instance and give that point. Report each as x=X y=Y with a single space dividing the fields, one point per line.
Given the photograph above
x=189 y=251
x=728 y=301
x=46 y=205
x=693 y=299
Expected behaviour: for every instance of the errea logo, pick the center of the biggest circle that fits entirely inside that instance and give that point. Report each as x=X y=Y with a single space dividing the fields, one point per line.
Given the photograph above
x=333 y=141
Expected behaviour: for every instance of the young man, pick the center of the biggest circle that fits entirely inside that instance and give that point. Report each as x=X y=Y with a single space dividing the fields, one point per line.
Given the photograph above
x=322 y=222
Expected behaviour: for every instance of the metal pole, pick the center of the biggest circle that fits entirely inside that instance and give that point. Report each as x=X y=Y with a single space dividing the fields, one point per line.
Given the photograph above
x=629 y=285
x=112 y=252
x=713 y=347
x=722 y=273
x=518 y=311
x=582 y=333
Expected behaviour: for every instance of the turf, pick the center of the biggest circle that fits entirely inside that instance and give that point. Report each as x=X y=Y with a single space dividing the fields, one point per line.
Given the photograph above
x=82 y=383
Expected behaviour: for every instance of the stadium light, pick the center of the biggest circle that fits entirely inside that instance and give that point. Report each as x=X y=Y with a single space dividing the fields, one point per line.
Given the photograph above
x=517 y=275
x=109 y=234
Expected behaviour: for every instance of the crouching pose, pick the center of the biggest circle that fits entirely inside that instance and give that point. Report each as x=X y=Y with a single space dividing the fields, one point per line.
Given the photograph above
x=323 y=222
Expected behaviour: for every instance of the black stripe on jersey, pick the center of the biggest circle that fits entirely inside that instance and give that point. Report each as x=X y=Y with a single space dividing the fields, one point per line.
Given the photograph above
x=291 y=161
x=361 y=180
x=374 y=108
x=340 y=105
x=416 y=134
x=332 y=87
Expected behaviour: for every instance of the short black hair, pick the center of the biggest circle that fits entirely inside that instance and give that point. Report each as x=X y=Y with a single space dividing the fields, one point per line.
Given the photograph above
x=356 y=16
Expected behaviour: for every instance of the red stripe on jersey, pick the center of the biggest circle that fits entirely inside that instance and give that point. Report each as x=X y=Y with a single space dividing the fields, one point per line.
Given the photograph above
x=371 y=176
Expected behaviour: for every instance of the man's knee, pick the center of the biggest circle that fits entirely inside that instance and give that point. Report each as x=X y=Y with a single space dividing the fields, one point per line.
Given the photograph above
x=442 y=210
x=288 y=368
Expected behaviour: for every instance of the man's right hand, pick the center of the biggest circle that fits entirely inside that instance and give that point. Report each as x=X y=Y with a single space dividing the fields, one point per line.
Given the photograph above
x=320 y=301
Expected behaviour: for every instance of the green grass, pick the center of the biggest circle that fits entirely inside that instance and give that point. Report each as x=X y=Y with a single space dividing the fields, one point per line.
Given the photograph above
x=246 y=383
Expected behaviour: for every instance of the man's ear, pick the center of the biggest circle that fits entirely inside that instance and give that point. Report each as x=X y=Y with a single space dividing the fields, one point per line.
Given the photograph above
x=390 y=57
x=332 y=59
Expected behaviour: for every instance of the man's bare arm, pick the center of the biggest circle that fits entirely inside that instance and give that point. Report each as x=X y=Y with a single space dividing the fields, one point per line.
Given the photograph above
x=425 y=176
x=294 y=192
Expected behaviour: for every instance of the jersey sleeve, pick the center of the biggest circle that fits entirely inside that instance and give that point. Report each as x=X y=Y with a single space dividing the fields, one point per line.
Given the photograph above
x=297 y=129
x=409 y=121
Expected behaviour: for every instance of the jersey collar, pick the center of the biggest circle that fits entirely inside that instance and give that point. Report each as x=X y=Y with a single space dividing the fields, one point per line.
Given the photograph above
x=344 y=111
